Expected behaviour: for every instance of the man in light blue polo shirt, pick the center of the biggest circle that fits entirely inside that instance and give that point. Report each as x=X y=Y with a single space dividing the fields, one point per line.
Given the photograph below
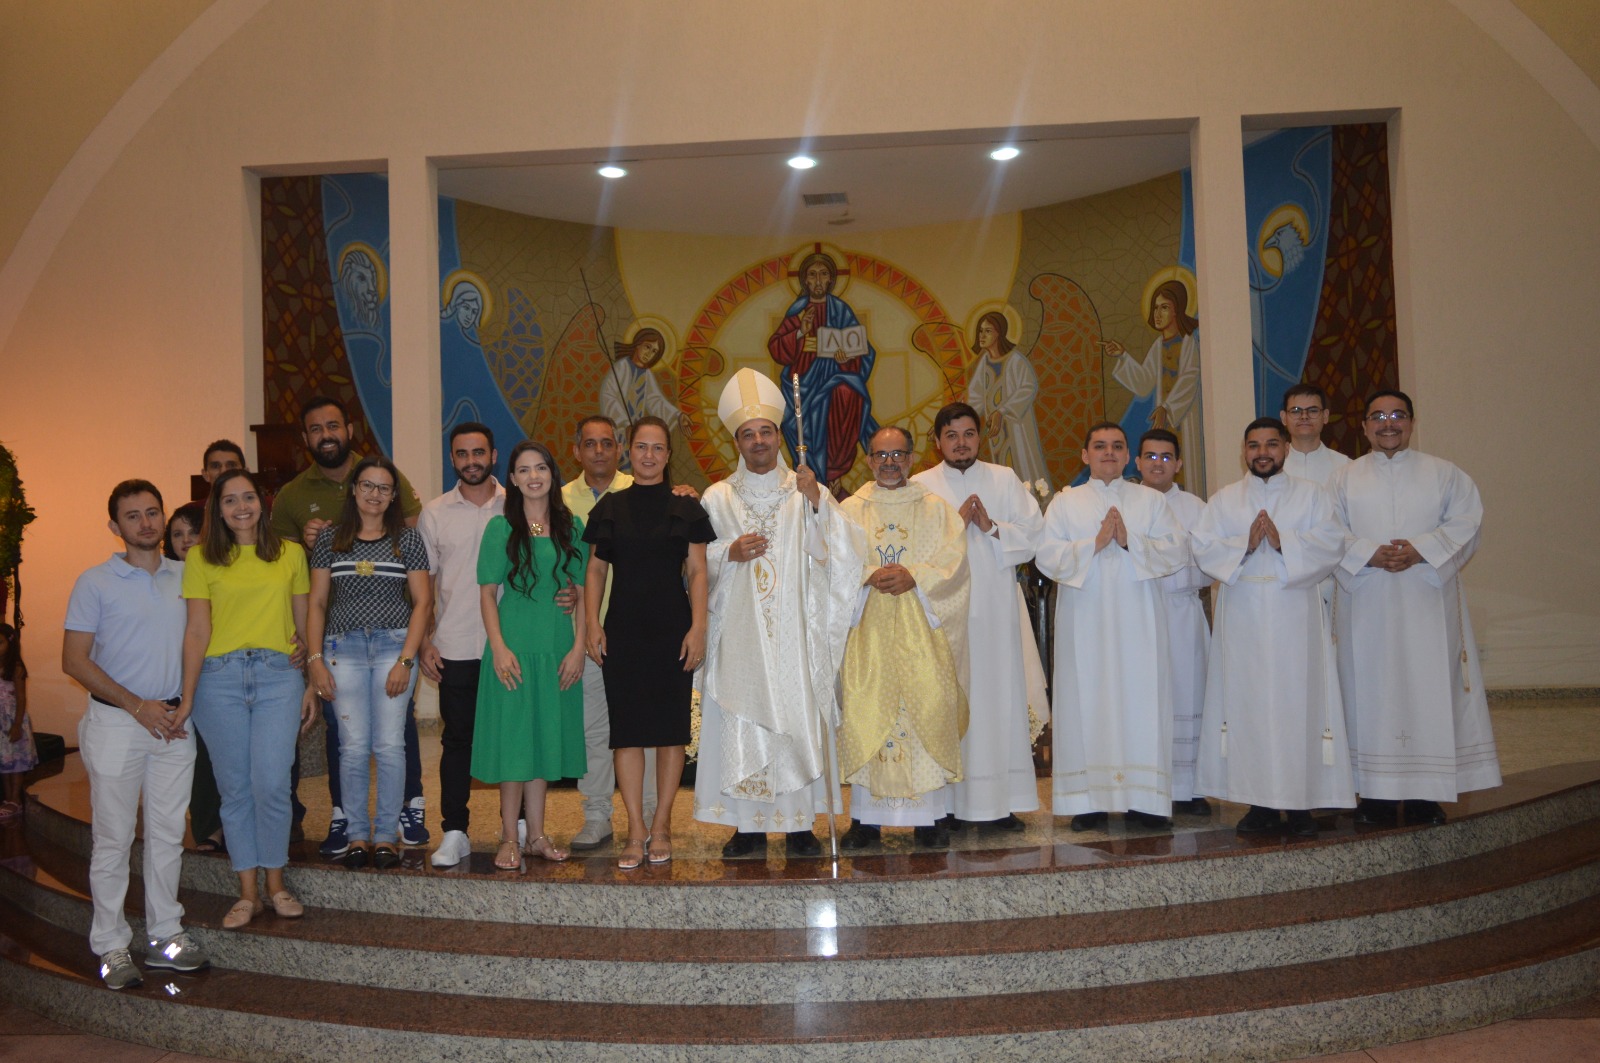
x=124 y=643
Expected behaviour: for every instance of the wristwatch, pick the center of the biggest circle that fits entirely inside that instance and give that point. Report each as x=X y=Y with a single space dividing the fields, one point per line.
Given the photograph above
x=407 y=661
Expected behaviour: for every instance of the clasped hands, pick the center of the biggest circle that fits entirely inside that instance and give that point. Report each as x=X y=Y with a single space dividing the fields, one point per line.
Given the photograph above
x=1263 y=528
x=163 y=721
x=1397 y=556
x=891 y=579
x=972 y=512
x=1111 y=530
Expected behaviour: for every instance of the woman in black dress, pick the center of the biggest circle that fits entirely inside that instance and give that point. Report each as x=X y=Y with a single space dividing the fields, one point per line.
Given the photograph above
x=655 y=630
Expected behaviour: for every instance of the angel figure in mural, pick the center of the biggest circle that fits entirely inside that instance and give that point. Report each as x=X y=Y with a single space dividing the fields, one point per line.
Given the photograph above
x=1003 y=388
x=466 y=306
x=821 y=340
x=1170 y=369
x=629 y=390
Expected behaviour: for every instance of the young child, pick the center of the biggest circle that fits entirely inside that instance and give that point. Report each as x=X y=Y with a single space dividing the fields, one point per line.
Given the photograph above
x=17 y=754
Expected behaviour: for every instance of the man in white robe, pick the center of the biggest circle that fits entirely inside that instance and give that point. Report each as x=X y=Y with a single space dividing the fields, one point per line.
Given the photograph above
x=784 y=573
x=1159 y=461
x=1305 y=413
x=903 y=681
x=1003 y=525
x=1107 y=544
x=1408 y=664
x=1273 y=736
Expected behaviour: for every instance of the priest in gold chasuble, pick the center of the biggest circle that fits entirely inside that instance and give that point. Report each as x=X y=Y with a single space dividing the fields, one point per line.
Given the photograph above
x=905 y=665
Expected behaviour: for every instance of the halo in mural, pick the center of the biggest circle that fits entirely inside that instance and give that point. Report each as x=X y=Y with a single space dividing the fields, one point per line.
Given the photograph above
x=841 y=262
x=1268 y=244
x=670 y=352
x=452 y=293
x=1014 y=325
x=1183 y=276
x=380 y=268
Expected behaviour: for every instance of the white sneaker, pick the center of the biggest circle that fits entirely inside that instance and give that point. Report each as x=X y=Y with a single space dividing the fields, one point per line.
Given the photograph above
x=595 y=833
x=454 y=848
x=522 y=834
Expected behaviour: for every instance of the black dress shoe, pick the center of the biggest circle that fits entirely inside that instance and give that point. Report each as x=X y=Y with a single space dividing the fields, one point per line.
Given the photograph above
x=934 y=837
x=1302 y=824
x=1147 y=819
x=950 y=822
x=1377 y=812
x=1424 y=812
x=859 y=836
x=1089 y=821
x=1010 y=824
x=1258 y=819
x=356 y=856
x=802 y=843
x=743 y=843
x=1195 y=806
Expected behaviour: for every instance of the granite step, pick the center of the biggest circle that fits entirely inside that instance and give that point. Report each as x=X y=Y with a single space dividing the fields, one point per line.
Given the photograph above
x=828 y=963
x=1271 y=1013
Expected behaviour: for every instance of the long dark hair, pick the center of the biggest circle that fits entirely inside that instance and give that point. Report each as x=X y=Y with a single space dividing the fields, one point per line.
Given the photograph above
x=216 y=538
x=519 y=547
x=191 y=513
x=11 y=666
x=394 y=518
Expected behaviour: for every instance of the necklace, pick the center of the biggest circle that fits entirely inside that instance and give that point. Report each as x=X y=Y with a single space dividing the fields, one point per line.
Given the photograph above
x=536 y=527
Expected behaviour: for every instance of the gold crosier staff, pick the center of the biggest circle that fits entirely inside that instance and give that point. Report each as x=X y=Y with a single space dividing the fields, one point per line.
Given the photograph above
x=805 y=664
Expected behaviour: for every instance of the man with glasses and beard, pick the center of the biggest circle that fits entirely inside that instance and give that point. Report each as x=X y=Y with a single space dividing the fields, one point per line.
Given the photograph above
x=303 y=508
x=1002 y=526
x=452 y=528
x=905 y=665
x=1273 y=734
x=1408 y=663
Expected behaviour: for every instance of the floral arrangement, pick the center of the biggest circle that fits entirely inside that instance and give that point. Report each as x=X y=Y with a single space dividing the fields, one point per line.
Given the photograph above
x=15 y=514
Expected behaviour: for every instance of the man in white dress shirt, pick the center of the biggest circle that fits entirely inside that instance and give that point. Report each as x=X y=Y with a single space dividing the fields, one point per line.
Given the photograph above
x=1159 y=461
x=1408 y=663
x=1003 y=525
x=1107 y=544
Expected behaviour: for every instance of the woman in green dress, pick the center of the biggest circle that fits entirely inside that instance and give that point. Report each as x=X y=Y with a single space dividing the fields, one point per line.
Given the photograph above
x=529 y=727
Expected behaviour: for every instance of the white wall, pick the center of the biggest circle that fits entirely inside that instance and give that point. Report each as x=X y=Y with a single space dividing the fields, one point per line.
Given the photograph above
x=139 y=339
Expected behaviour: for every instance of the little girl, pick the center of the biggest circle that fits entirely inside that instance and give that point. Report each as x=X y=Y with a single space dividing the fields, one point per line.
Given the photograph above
x=16 y=737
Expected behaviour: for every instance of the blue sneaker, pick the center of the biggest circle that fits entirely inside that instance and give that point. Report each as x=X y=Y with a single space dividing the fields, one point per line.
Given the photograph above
x=337 y=844
x=413 y=832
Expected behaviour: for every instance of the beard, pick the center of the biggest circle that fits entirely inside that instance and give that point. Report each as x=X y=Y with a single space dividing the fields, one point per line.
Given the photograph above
x=962 y=464
x=1267 y=474
x=473 y=478
x=331 y=459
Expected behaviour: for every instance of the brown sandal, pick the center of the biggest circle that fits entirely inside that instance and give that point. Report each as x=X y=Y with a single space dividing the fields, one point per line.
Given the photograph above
x=545 y=851
x=506 y=858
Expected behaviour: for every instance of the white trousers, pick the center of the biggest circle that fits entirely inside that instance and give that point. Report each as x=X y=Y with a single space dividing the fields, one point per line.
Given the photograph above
x=122 y=759
x=599 y=782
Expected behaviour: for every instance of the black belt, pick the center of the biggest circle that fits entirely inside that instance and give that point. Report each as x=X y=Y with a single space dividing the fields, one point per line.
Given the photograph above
x=174 y=702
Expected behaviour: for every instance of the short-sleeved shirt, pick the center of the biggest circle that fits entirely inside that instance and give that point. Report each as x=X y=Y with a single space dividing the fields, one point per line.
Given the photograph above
x=313 y=496
x=137 y=620
x=251 y=599
x=581 y=499
x=452 y=527
x=368 y=583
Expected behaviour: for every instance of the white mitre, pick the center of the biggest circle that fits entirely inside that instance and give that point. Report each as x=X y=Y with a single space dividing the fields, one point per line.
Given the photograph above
x=747 y=396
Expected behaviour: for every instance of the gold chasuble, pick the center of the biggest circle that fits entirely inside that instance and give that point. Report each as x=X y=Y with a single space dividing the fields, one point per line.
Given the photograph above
x=904 y=673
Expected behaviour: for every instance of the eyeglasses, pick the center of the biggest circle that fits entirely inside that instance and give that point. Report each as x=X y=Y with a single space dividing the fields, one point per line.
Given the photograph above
x=890 y=455
x=1304 y=411
x=1151 y=455
x=367 y=487
x=1393 y=416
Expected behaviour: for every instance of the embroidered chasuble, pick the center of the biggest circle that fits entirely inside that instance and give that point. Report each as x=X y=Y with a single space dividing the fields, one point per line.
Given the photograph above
x=905 y=666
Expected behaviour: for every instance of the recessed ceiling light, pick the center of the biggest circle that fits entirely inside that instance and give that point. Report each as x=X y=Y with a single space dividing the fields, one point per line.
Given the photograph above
x=802 y=162
x=1004 y=154
x=613 y=172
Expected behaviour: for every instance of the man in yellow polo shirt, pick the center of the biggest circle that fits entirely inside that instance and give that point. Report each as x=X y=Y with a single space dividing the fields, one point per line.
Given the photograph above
x=303 y=508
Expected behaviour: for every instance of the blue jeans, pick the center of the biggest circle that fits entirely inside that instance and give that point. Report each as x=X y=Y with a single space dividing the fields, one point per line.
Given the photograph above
x=247 y=706
x=371 y=724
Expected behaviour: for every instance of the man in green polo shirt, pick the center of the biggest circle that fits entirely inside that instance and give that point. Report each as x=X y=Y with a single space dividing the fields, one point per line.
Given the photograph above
x=303 y=508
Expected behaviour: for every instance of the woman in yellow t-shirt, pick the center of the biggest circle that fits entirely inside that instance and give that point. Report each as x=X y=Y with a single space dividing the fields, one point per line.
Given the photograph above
x=246 y=590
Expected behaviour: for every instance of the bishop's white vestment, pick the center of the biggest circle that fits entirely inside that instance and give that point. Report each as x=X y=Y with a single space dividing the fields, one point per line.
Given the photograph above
x=775 y=638
x=1408 y=664
x=1188 y=646
x=997 y=750
x=1273 y=732
x=903 y=683
x=1113 y=697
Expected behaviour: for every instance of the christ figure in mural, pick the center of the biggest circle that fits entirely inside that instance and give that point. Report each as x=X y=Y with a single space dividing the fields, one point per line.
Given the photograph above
x=821 y=340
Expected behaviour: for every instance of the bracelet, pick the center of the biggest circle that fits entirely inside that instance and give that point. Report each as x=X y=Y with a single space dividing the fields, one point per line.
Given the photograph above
x=314 y=657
